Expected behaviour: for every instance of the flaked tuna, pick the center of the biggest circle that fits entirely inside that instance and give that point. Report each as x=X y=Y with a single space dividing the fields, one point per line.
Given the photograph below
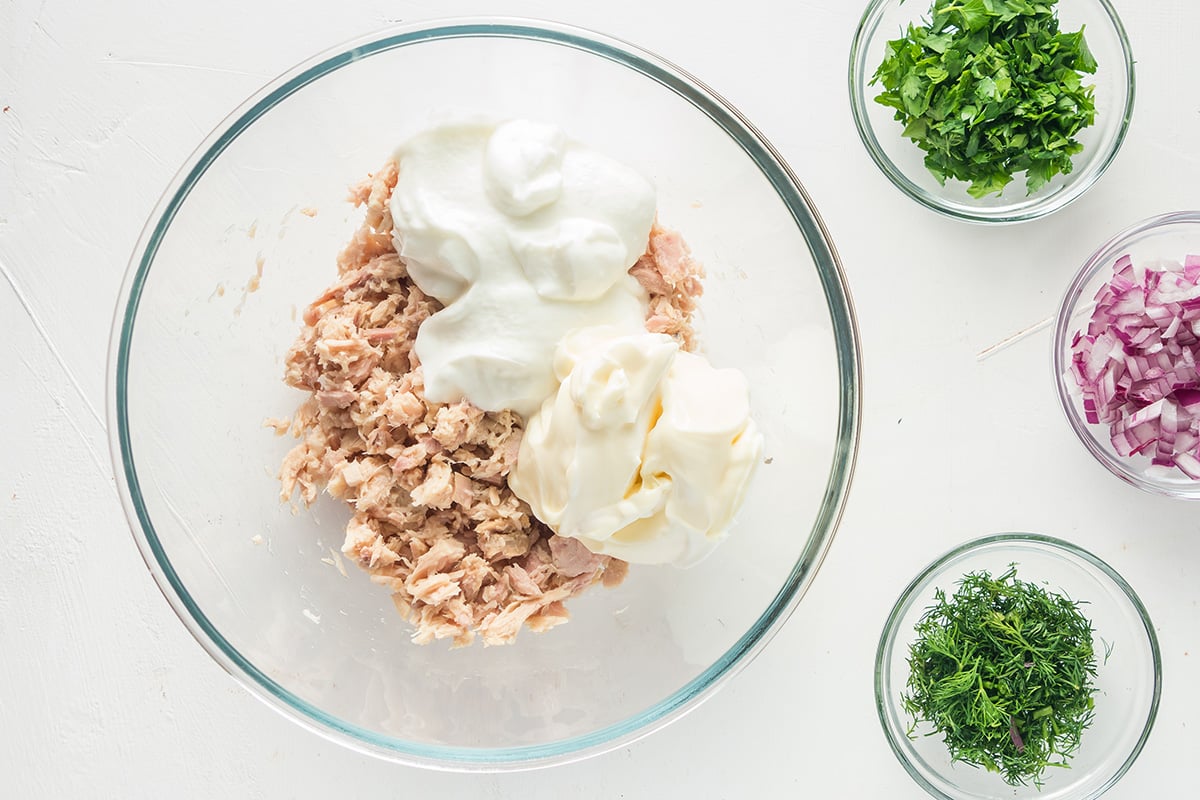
x=434 y=520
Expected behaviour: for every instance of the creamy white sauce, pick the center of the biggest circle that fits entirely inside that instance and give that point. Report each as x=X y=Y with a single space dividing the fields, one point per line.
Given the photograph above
x=638 y=450
x=524 y=236
x=643 y=453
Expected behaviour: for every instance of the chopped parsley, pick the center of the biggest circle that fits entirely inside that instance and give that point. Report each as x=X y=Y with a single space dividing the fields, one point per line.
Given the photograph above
x=991 y=88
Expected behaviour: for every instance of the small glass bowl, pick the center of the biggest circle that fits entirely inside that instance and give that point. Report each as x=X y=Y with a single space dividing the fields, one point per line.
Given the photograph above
x=1170 y=236
x=1128 y=681
x=903 y=162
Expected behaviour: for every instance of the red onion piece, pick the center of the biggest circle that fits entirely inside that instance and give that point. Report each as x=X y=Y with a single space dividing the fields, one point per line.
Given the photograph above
x=1017 y=741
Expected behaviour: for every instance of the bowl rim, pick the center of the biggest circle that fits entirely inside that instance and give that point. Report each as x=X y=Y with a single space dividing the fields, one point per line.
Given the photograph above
x=1000 y=215
x=1102 y=259
x=846 y=341
x=888 y=639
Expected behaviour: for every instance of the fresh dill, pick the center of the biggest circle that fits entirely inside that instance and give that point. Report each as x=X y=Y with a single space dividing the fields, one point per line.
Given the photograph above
x=1004 y=670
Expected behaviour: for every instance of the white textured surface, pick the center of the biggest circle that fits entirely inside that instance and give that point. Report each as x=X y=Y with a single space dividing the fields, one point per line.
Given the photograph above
x=103 y=693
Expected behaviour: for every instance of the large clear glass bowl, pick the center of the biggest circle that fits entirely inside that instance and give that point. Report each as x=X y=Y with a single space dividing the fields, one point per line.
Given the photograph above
x=196 y=366
x=1128 y=677
x=903 y=162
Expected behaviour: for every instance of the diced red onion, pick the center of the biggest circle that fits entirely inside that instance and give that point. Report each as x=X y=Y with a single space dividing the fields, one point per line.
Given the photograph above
x=1189 y=464
x=1191 y=267
x=1013 y=734
x=1136 y=363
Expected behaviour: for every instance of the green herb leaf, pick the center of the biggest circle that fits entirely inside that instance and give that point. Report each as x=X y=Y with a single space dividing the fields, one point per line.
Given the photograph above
x=990 y=88
x=1004 y=670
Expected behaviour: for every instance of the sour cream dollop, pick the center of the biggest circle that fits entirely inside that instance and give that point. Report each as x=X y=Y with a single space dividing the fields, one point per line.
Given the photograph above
x=644 y=452
x=523 y=235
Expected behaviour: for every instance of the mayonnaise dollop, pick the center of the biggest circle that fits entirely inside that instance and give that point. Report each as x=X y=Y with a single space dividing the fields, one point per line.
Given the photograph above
x=523 y=235
x=644 y=452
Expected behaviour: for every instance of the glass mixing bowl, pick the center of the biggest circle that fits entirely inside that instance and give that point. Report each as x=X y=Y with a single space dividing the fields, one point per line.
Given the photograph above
x=1128 y=676
x=196 y=365
x=1169 y=236
x=903 y=162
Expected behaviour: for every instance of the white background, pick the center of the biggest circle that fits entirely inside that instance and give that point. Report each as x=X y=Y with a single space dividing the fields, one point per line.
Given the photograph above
x=103 y=693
